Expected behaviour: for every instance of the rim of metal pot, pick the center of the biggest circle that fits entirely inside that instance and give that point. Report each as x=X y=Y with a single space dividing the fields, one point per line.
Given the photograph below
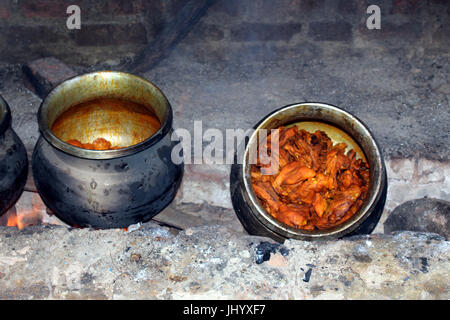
x=340 y=230
x=101 y=154
x=5 y=115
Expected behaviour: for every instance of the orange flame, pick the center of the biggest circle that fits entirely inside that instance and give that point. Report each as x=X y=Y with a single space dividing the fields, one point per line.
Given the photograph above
x=27 y=218
x=14 y=221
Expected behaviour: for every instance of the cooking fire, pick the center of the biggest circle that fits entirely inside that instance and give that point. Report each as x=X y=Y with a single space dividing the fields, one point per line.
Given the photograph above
x=28 y=211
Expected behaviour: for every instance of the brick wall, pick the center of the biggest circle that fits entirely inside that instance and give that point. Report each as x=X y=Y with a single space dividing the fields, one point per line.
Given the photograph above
x=112 y=29
x=266 y=29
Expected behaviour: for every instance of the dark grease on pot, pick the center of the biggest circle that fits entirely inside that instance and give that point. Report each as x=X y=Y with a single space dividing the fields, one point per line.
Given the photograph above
x=121 y=167
x=13 y=161
x=138 y=193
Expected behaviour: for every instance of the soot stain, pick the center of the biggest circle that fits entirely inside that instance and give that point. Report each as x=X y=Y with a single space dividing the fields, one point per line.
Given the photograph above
x=121 y=167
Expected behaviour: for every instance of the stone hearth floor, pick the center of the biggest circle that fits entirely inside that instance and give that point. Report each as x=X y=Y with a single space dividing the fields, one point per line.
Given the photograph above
x=213 y=262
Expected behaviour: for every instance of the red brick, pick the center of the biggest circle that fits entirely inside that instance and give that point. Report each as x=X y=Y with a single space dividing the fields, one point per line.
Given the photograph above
x=396 y=33
x=23 y=36
x=407 y=6
x=264 y=31
x=441 y=35
x=309 y=5
x=172 y=7
x=254 y=10
x=208 y=32
x=46 y=73
x=330 y=31
x=352 y=6
x=123 y=7
x=5 y=12
x=153 y=7
x=44 y=8
x=442 y=2
x=110 y=34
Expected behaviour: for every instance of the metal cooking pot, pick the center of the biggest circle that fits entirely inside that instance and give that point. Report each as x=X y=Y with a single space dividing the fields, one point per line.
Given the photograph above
x=13 y=161
x=333 y=121
x=108 y=188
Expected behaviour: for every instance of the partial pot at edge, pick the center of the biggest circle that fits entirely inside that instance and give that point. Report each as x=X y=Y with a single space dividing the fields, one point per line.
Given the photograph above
x=109 y=188
x=13 y=161
x=254 y=217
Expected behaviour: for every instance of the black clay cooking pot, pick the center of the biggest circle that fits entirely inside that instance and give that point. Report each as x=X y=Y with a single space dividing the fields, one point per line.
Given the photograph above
x=13 y=161
x=106 y=188
x=341 y=126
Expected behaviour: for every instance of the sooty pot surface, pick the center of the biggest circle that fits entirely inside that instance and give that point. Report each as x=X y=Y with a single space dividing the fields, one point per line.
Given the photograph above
x=106 y=188
x=13 y=161
x=256 y=220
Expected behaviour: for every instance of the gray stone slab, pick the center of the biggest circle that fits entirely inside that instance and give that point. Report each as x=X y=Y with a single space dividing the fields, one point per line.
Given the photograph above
x=212 y=262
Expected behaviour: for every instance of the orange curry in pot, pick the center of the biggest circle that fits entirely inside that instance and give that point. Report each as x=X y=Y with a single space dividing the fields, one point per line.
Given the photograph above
x=106 y=124
x=314 y=183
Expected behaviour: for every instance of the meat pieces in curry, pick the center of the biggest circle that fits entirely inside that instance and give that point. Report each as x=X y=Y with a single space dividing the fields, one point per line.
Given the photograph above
x=97 y=144
x=315 y=184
